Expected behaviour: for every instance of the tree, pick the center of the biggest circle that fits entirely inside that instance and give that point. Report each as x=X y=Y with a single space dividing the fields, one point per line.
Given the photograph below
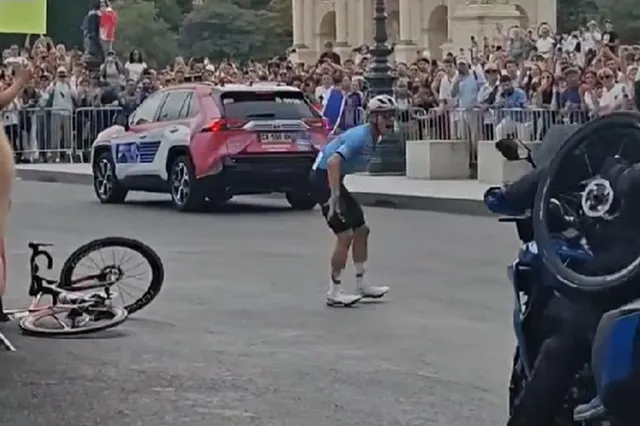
x=140 y=27
x=281 y=19
x=221 y=29
x=625 y=16
x=170 y=12
x=572 y=14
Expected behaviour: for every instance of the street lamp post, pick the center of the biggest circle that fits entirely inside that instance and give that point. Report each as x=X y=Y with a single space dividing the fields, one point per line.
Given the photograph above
x=388 y=158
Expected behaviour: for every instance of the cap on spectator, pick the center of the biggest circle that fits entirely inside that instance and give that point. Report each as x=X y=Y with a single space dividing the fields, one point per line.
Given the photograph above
x=61 y=70
x=592 y=23
x=210 y=68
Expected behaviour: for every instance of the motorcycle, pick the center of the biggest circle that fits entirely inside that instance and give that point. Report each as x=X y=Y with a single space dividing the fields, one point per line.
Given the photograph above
x=555 y=237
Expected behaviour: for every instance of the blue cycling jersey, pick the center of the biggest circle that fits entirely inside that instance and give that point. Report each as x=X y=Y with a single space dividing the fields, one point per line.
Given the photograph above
x=354 y=146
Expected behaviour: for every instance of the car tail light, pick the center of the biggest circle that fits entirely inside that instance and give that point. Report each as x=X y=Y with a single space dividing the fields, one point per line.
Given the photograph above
x=222 y=124
x=318 y=123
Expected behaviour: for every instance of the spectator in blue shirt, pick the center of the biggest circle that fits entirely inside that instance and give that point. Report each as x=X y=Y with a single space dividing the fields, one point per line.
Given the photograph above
x=511 y=103
x=571 y=100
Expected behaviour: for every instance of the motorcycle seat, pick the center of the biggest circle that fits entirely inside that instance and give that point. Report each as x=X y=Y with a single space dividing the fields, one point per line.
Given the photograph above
x=592 y=410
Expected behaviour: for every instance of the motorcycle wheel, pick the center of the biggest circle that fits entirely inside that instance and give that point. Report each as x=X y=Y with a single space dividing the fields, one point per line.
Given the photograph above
x=618 y=126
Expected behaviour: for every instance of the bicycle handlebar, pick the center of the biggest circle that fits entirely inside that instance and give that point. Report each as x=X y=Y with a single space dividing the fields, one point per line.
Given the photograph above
x=37 y=251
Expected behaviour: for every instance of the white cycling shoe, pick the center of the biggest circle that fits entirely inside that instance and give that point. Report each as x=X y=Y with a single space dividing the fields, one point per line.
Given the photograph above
x=370 y=291
x=338 y=298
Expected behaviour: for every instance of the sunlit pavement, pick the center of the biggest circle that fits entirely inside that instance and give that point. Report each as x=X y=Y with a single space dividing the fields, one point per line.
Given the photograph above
x=240 y=335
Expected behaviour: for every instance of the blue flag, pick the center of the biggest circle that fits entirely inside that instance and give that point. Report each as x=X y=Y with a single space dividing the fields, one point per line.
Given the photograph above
x=333 y=108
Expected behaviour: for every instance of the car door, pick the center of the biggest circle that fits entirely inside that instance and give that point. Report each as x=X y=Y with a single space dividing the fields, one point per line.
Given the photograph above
x=176 y=114
x=131 y=150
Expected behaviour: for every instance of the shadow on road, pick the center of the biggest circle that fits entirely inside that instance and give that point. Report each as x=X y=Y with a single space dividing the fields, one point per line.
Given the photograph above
x=239 y=206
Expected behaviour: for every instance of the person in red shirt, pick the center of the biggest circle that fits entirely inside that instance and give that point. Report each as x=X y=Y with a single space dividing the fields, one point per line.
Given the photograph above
x=108 y=23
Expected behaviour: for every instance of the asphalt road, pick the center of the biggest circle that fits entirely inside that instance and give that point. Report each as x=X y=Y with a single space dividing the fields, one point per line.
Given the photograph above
x=240 y=334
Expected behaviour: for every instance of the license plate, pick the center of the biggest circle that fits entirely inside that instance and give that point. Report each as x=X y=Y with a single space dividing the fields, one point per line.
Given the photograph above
x=276 y=137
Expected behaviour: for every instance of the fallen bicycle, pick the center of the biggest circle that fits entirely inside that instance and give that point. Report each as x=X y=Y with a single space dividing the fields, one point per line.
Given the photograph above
x=85 y=304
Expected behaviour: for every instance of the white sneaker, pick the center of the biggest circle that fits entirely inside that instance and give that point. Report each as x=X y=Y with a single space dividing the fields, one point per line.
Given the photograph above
x=338 y=298
x=371 y=291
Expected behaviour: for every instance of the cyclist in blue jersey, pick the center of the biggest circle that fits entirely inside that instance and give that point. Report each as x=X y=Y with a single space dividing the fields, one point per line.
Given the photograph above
x=348 y=153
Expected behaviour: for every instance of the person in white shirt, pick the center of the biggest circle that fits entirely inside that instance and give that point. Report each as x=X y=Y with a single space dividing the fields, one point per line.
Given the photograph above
x=614 y=95
x=592 y=37
x=61 y=99
x=545 y=43
x=486 y=98
x=445 y=99
x=135 y=65
x=322 y=91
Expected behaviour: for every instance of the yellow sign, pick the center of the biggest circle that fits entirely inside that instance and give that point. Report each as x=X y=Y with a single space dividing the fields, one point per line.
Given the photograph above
x=23 y=16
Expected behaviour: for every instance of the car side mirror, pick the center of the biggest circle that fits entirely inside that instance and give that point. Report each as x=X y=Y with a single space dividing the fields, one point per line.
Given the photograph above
x=122 y=120
x=510 y=149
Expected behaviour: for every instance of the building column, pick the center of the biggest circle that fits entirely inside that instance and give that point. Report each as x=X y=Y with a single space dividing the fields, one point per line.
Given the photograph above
x=405 y=22
x=309 y=23
x=342 y=23
x=406 y=47
x=297 y=11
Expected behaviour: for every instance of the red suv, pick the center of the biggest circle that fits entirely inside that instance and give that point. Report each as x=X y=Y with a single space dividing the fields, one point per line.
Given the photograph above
x=201 y=143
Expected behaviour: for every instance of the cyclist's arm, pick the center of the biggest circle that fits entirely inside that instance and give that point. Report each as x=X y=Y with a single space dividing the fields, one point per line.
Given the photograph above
x=348 y=150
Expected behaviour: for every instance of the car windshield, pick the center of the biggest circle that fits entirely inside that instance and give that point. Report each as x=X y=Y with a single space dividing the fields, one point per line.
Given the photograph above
x=284 y=105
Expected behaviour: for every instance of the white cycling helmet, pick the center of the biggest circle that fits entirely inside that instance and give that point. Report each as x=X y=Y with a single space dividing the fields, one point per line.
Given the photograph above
x=382 y=103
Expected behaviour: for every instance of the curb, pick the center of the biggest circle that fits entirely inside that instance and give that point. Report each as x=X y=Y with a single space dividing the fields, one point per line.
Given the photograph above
x=53 y=176
x=390 y=201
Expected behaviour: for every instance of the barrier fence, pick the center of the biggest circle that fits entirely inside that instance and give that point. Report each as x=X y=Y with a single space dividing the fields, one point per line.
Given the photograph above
x=54 y=134
x=50 y=134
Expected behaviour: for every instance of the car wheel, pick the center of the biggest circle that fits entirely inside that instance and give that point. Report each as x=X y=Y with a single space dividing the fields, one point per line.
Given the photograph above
x=105 y=182
x=186 y=194
x=301 y=199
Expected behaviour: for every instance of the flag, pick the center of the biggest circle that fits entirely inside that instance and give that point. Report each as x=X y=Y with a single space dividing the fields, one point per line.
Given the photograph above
x=332 y=110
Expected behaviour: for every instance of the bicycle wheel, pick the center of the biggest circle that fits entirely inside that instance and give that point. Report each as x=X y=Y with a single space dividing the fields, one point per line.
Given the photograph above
x=574 y=177
x=70 y=321
x=113 y=273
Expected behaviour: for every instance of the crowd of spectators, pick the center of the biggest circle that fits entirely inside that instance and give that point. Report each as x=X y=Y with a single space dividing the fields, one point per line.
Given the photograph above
x=520 y=81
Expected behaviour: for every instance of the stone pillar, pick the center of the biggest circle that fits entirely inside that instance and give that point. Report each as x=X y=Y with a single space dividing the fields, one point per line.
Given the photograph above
x=342 y=23
x=297 y=11
x=405 y=22
x=406 y=47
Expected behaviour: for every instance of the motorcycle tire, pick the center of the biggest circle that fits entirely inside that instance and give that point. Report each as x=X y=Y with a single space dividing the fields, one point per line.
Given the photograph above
x=543 y=236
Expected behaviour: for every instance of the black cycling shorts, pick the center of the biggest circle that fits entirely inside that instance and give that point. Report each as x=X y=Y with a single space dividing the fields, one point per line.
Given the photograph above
x=351 y=217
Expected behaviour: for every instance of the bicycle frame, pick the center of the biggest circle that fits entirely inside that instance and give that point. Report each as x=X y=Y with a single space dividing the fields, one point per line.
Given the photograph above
x=41 y=286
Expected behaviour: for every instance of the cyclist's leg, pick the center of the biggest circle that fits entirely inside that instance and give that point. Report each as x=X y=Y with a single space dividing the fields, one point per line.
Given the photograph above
x=360 y=252
x=344 y=237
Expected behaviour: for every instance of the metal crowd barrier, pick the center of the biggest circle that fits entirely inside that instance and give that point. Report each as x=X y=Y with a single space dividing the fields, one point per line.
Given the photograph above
x=55 y=134
x=473 y=125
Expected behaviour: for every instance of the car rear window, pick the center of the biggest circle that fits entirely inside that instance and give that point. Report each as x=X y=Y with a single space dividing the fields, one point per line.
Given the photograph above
x=267 y=105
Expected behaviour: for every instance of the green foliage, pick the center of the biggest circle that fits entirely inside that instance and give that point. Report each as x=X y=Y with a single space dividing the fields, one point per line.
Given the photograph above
x=572 y=14
x=218 y=29
x=140 y=27
x=625 y=16
x=221 y=29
